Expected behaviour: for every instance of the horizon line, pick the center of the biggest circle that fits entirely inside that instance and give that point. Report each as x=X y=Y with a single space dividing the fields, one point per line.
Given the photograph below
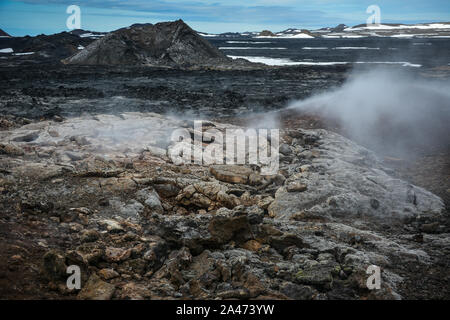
x=247 y=31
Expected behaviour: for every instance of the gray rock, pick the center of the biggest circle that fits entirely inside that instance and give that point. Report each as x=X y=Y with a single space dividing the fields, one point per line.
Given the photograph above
x=150 y=199
x=156 y=254
x=96 y=289
x=111 y=225
x=297 y=292
x=296 y=186
x=11 y=149
x=54 y=266
x=75 y=156
x=133 y=209
x=108 y=274
x=28 y=137
x=89 y=236
x=285 y=149
x=319 y=275
x=232 y=173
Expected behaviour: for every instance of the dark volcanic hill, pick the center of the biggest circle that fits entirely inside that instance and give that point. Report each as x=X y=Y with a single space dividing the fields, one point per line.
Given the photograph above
x=172 y=44
x=47 y=47
x=339 y=28
x=4 y=34
x=87 y=34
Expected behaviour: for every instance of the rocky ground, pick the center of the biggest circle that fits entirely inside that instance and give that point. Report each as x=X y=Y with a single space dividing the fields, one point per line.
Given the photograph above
x=140 y=226
x=34 y=92
x=101 y=191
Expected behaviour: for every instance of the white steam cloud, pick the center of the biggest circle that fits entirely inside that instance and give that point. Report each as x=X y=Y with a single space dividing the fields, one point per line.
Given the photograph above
x=390 y=112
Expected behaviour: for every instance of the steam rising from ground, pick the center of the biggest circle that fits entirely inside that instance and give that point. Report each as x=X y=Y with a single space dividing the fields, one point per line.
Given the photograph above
x=388 y=111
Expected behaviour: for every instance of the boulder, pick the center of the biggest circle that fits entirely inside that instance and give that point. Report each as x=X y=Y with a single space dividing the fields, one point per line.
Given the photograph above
x=108 y=274
x=231 y=173
x=11 y=149
x=96 y=289
x=224 y=228
x=150 y=199
x=54 y=266
x=117 y=254
x=266 y=33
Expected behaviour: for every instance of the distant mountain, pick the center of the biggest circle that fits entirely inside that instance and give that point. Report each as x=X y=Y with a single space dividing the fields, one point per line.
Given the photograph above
x=295 y=33
x=339 y=28
x=420 y=30
x=172 y=44
x=399 y=26
x=266 y=33
x=88 y=34
x=4 y=34
x=288 y=33
x=246 y=34
x=45 y=47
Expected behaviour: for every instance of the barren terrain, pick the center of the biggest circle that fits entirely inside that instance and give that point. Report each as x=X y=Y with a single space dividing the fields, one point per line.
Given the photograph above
x=86 y=179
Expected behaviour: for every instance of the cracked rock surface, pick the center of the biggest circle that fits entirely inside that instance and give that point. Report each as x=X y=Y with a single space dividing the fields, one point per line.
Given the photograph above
x=102 y=192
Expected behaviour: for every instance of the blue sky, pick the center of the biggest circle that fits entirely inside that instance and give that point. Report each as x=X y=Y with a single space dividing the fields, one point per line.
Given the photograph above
x=35 y=17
